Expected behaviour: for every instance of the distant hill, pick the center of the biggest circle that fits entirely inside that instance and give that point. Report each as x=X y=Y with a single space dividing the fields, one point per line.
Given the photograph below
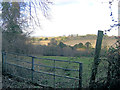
x=75 y=39
x=107 y=40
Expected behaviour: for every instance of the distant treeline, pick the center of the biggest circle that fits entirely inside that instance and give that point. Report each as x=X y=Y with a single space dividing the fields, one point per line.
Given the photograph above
x=74 y=39
x=60 y=49
x=71 y=37
x=21 y=44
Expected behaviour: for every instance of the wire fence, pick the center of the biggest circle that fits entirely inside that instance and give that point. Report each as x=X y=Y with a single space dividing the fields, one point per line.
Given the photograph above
x=43 y=71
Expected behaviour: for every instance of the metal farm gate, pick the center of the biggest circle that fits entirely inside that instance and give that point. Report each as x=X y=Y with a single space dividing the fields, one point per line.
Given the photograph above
x=43 y=71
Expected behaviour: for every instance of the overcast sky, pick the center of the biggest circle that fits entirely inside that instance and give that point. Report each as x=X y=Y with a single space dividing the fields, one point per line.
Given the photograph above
x=77 y=17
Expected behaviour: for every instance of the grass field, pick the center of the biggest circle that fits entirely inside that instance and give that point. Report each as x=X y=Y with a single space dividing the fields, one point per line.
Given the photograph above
x=87 y=65
x=107 y=41
x=48 y=79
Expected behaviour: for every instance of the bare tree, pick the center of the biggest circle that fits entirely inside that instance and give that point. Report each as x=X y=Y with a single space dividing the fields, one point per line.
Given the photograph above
x=17 y=17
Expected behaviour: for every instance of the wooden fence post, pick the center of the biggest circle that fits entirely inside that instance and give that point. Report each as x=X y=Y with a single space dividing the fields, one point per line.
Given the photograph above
x=32 y=68
x=80 y=75
x=96 y=58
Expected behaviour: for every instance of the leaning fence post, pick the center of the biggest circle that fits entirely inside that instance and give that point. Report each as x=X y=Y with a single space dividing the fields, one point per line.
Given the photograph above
x=32 y=68
x=80 y=75
x=96 y=58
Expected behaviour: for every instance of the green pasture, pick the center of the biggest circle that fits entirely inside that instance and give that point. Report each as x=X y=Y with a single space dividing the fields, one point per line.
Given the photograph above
x=49 y=79
x=86 y=62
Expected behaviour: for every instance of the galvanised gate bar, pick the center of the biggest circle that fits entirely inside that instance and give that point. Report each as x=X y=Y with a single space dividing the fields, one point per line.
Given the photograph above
x=43 y=71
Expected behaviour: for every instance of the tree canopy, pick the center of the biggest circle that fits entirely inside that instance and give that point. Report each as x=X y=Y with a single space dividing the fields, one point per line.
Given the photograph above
x=16 y=16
